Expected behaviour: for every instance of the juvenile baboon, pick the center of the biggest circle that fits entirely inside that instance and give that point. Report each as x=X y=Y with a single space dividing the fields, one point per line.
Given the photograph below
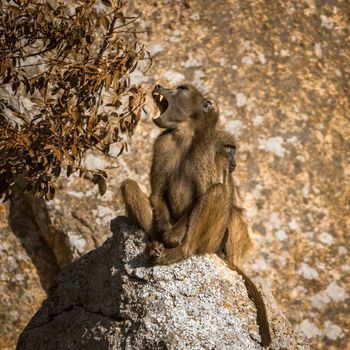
x=193 y=207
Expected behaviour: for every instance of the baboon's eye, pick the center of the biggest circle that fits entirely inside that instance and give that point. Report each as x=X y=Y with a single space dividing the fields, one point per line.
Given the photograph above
x=182 y=87
x=230 y=149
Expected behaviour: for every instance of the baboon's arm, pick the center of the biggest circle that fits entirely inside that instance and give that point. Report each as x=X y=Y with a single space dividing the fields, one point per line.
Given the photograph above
x=238 y=244
x=159 y=175
x=160 y=212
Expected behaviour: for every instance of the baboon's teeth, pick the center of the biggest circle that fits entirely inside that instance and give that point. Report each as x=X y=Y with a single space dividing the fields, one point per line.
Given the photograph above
x=160 y=98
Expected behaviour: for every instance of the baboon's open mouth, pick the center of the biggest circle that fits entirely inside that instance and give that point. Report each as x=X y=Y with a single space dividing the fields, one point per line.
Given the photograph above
x=161 y=101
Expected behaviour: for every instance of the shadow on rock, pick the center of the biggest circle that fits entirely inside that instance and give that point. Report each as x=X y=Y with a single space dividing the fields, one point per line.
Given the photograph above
x=23 y=225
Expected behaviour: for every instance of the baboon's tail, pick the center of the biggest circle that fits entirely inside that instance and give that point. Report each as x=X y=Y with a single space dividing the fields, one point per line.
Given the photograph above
x=256 y=297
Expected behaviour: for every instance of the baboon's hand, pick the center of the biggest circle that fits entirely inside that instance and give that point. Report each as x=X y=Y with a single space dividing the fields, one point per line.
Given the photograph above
x=155 y=251
x=172 y=237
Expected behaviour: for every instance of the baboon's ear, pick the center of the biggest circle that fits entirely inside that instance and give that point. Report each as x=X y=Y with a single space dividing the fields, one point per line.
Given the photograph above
x=210 y=107
x=206 y=106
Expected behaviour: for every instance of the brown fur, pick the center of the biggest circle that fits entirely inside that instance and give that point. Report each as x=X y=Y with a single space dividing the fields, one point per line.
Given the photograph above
x=193 y=195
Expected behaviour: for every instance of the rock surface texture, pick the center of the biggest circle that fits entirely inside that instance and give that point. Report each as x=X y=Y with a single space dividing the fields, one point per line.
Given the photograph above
x=110 y=299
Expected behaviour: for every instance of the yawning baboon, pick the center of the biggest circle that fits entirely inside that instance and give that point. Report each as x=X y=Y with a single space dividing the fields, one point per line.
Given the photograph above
x=193 y=207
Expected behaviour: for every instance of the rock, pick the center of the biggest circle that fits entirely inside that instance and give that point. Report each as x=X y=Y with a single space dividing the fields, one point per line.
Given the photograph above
x=62 y=222
x=111 y=299
x=27 y=267
x=63 y=228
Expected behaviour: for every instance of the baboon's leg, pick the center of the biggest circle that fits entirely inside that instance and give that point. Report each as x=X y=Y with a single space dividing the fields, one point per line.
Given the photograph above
x=137 y=205
x=206 y=229
x=238 y=244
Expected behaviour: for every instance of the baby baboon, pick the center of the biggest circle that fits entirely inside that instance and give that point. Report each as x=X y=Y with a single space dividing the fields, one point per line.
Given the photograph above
x=193 y=207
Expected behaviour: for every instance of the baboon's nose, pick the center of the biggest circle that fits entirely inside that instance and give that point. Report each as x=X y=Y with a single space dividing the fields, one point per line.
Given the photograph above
x=232 y=167
x=158 y=87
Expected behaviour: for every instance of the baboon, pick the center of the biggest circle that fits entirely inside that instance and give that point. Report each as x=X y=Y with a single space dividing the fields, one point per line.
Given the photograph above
x=193 y=207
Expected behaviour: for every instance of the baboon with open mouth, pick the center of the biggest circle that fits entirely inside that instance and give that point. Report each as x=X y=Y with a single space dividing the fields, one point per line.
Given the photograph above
x=193 y=207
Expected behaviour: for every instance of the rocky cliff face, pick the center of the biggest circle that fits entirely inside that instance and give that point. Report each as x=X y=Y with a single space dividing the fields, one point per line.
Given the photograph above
x=280 y=73
x=110 y=299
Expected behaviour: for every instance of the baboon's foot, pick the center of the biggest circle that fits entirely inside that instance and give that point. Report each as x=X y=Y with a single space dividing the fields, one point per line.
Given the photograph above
x=155 y=251
x=160 y=255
